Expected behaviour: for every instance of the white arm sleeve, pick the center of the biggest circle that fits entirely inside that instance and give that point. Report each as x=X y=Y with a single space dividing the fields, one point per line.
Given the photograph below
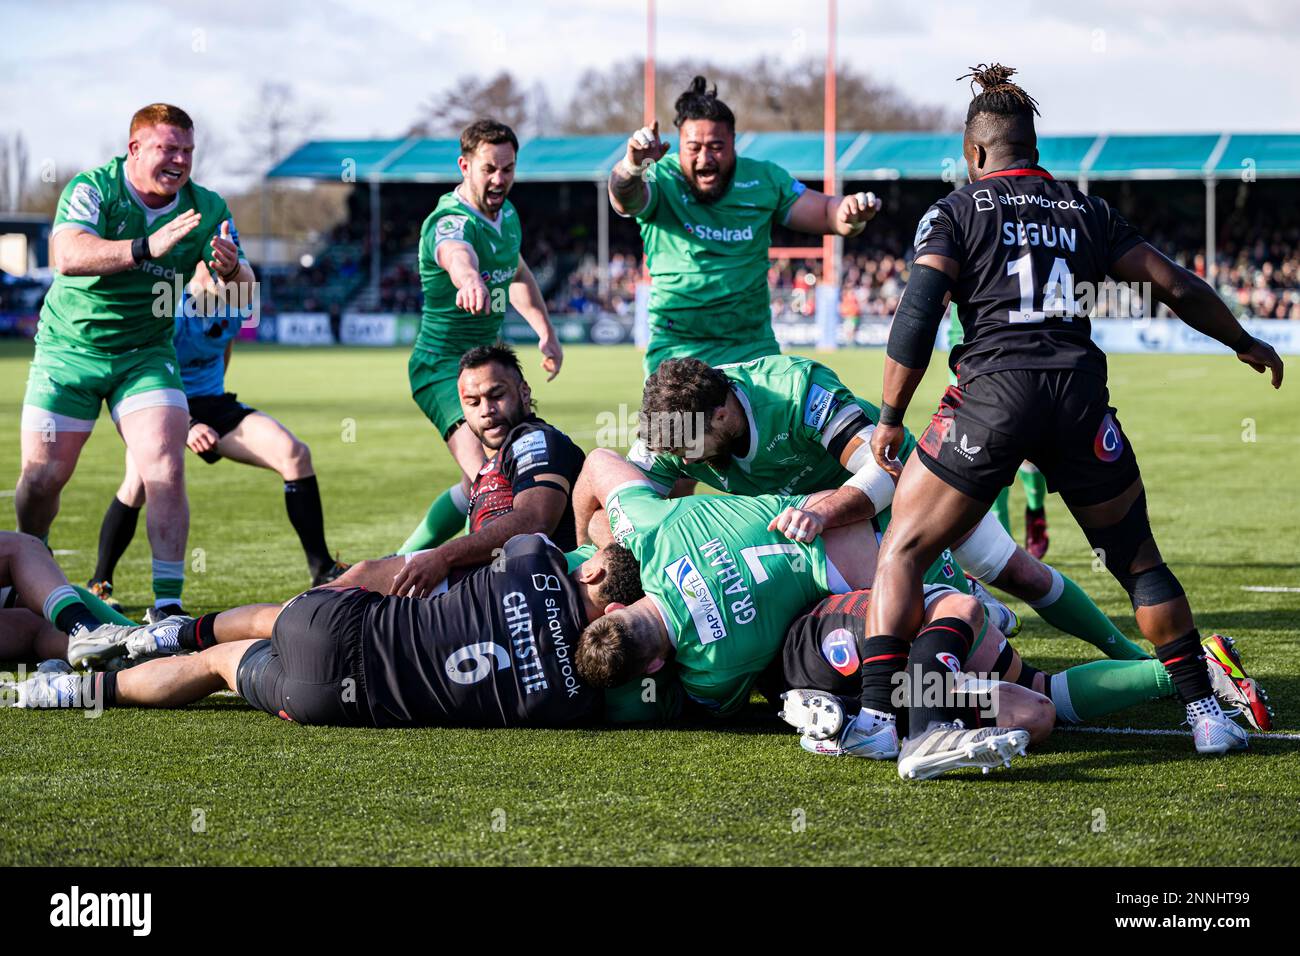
x=868 y=477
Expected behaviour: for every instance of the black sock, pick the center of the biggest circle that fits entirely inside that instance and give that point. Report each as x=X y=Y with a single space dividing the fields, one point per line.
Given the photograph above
x=882 y=657
x=1035 y=512
x=302 y=501
x=197 y=635
x=115 y=534
x=107 y=688
x=937 y=654
x=75 y=618
x=1184 y=658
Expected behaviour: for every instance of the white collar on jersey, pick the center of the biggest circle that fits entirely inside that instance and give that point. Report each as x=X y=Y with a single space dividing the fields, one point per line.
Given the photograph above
x=753 y=428
x=494 y=223
x=151 y=214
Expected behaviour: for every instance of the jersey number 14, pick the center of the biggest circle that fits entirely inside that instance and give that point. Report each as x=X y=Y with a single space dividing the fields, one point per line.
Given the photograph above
x=1058 y=292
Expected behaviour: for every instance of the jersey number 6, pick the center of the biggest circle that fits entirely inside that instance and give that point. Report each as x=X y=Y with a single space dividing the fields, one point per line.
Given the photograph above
x=481 y=655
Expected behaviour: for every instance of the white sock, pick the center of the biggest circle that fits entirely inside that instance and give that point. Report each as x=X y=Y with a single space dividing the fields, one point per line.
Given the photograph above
x=459 y=498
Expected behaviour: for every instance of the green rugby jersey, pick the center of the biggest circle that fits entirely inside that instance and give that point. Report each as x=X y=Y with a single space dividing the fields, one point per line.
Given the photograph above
x=708 y=261
x=801 y=417
x=133 y=309
x=444 y=326
x=726 y=587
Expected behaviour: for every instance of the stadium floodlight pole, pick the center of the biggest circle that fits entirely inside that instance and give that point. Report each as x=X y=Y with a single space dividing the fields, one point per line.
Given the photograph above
x=648 y=91
x=828 y=294
x=832 y=245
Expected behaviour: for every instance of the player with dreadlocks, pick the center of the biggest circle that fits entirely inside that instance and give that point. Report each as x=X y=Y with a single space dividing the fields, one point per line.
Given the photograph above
x=1013 y=249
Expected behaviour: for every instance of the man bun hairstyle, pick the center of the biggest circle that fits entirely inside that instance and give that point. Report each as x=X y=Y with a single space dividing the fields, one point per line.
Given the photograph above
x=701 y=103
x=486 y=131
x=160 y=114
x=998 y=95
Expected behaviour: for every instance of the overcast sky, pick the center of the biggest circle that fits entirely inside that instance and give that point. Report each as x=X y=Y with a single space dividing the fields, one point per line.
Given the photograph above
x=73 y=71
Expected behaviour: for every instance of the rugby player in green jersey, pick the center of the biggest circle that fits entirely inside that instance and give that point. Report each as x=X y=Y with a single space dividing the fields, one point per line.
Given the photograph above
x=706 y=218
x=470 y=269
x=722 y=588
x=788 y=425
x=127 y=235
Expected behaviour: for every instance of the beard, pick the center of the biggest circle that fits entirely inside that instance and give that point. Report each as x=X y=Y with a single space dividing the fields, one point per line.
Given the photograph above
x=715 y=192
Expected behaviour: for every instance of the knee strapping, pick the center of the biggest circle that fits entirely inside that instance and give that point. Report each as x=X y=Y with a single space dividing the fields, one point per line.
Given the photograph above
x=1118 y=546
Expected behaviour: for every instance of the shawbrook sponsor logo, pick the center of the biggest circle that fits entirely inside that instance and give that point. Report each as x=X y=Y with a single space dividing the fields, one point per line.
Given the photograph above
x=700 y=231
x=78 y=909
x=700 y=602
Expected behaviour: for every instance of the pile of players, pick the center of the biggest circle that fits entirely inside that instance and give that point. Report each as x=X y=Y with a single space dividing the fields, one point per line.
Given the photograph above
x=845 y=573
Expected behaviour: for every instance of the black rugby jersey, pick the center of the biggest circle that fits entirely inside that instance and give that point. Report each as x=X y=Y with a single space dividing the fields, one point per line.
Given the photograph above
x=496 y=650
x=1027 y=246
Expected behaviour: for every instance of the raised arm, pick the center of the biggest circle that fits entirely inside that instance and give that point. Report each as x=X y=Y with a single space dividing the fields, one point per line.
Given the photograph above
x=821 y=215
x=628 y=190
x=1196 y=304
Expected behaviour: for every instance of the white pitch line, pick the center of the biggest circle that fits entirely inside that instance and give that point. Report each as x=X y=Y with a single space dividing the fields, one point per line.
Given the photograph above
x=1157 y=732
x=60 y=552
x=8 y=494
x=1262 y=589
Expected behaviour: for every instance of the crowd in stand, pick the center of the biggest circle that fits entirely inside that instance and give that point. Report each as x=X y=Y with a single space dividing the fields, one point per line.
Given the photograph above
x=1257 y=271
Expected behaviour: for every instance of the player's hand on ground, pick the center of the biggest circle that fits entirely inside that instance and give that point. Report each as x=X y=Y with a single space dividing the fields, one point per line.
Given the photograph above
x=202 y=438
x=473 y=297
x=645 y=148
x=419 y=576
x=1261 y=356
x=552 y=356
x=225 y=254
x=164 y=240
x=886 y=443
x=798 y=524
x=857 y=209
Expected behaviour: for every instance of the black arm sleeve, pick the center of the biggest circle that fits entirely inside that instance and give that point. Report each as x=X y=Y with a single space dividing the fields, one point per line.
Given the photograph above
x=916 y=322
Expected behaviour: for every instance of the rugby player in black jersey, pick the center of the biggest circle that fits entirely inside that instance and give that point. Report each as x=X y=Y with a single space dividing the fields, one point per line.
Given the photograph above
x=1013 y=249
x=525 y=487
x=496 y=650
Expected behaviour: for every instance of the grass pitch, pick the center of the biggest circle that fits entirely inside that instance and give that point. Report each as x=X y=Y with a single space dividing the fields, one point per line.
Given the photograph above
x=221 y=784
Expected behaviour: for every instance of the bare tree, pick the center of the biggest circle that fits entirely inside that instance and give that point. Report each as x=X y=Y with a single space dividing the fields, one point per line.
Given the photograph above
x=501 y=97
x=276 y=124
x=766 y=94
x=14 y=160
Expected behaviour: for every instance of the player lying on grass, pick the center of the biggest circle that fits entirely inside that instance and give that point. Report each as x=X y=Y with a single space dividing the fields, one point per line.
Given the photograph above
x=121 y=231
x=524 y=487
x=824 y=649
x=496 y=650
x=221 y=426
x=787 y=424
x=470 y=270
x=722 y=586
x=40 y=611
x=1013 y=249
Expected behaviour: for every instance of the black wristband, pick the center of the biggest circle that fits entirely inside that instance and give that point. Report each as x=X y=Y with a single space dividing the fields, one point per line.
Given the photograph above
x=889 y=415
x=1244 y=343
x=231 y=274
x=140 y=249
